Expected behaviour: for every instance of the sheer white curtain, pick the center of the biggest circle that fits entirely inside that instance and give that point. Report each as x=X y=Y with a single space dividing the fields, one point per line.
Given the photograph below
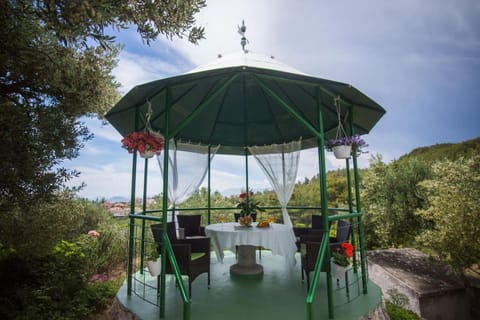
x=187 y=168
x=279 y=162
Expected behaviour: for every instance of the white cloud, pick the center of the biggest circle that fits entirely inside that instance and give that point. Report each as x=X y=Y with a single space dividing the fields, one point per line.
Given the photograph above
x=113 y=180
x=418 y=59
x=134 y=69
x=106 y=132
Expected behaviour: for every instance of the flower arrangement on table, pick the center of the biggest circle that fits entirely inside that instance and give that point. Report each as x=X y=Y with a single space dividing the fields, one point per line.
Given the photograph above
x=247 y=206
x=147 y=143
x=355 y=144
x=342 y=256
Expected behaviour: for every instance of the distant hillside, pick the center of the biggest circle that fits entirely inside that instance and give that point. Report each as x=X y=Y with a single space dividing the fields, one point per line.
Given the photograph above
x=450 y=151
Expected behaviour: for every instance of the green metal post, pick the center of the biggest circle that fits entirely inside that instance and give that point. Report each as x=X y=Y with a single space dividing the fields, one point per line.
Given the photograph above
x=324 y=203
x=361 y=228
x=209 y=186
x=246 y=174
x=349 y=186
x=316 y=274
x=245 y=134
x=144 y=208
x=350 y=209
x=361 y=236
x=131 y=238
x=165 y=205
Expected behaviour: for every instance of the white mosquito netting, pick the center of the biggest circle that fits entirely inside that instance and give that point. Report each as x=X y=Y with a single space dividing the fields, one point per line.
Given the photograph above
x=187 y=167
x=280 y=162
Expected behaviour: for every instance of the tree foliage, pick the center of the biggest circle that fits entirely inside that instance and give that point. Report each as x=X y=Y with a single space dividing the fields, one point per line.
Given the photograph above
x=445 y=151
x=453 y=194
x=56 y=62
x=36 y=232
x=390 y=198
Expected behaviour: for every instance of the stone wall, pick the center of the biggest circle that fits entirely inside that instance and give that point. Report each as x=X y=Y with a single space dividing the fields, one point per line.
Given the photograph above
x=433 y=292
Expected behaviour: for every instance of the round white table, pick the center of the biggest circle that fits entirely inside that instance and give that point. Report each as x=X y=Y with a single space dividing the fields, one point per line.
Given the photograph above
x=279 y=238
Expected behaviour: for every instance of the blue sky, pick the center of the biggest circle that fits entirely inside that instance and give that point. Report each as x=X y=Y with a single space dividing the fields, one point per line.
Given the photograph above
x=420 y=60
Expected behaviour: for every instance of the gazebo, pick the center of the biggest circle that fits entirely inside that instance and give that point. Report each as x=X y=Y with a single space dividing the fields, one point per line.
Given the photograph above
x=247 y=104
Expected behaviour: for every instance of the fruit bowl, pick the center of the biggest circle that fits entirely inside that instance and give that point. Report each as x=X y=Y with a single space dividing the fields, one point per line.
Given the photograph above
x=263 y=224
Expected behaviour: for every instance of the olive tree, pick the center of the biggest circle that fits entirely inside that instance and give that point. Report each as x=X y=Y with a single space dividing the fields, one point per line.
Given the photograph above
x=56 y=62
x=390 y=197
x=453 y=194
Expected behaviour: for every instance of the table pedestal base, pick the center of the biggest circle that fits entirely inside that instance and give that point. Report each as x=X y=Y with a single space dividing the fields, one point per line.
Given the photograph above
x=246 y=262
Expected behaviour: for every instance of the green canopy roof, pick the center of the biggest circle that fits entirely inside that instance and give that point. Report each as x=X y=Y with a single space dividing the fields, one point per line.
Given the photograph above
x=243 y=100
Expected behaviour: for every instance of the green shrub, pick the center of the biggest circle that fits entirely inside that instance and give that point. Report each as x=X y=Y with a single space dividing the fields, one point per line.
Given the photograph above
x=55 y=286
x=396 y=306
x=101 y=294
x=107 y=251
x=398 y=313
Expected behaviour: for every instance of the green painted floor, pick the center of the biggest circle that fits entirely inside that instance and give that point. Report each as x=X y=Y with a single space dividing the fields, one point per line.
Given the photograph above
x=279 y=294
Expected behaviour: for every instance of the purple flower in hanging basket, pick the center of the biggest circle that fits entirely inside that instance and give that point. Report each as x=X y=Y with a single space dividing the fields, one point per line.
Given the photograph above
x=355 y=141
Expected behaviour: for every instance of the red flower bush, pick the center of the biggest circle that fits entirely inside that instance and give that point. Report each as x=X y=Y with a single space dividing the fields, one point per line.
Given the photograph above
x=343 y=255
x=143 y=142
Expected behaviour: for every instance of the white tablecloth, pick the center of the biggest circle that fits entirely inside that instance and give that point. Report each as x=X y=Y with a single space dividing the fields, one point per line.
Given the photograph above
x=279 y=238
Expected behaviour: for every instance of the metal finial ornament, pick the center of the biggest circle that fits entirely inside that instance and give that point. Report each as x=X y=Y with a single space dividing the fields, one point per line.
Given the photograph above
x=241 y=31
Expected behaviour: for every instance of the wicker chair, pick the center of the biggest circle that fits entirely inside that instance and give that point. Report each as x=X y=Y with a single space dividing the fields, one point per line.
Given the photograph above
x=191 y=225
x=344 y=229
x=192 y=255
x=309 y=244
x=309 y=255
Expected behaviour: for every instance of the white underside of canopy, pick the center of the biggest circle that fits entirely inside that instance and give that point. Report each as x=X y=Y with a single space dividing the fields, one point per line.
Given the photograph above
x=246 y=59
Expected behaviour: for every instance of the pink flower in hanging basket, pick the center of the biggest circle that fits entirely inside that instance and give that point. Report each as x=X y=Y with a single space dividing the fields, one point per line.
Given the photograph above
x=143 y=142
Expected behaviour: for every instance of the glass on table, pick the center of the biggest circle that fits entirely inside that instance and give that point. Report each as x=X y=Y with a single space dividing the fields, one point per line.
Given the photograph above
x=221 y=218
x=271 y=218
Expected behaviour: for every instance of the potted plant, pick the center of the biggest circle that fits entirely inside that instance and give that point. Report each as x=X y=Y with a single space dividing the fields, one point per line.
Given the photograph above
x=247 y=206
x=147 y=143
x=344 y=147
x=154 y=263
x=341 y=260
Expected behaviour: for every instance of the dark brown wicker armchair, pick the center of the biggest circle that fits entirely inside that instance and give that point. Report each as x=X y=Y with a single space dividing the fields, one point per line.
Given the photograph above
x=310 y=245
x=309 y=254
x=191 y=225
x=192 y=255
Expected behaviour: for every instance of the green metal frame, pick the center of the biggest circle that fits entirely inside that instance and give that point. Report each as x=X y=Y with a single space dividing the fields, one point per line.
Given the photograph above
x=324 y=249
x=316 y=276
x=167 y=252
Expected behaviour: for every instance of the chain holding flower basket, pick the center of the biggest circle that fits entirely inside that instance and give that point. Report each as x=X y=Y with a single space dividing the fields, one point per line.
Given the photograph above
x=343 y=146
x=148 y=143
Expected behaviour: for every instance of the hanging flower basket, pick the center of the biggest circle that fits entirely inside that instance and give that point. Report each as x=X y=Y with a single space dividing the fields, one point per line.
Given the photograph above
x=147 y=143
x=343 y=148
x=147 y=154
x=342 y=152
